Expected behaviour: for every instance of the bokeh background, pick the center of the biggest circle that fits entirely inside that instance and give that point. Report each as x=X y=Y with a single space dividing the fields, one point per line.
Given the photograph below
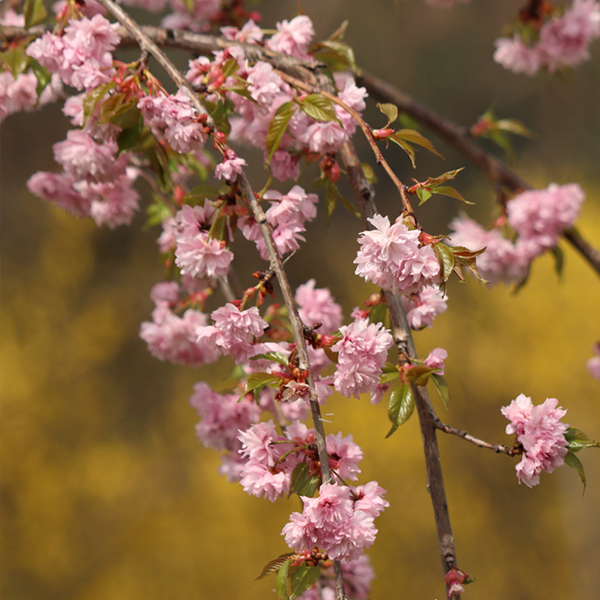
x=107 y=493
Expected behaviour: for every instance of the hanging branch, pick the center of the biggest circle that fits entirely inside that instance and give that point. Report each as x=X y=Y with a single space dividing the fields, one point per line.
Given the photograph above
x=459 y=138
x=276 y=264
x=364 y=195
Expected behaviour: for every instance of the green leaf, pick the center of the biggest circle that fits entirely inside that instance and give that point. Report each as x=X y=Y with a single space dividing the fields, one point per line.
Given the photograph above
x=442 y=388
x=42 y=74
x=572 y=461
x=446 y=259
x=229 y=67
x=34 y=12
x=379 y=313
x=419 y=374
x=310 y=487
x=446 y=190
x=190 y=5
x=339 y=33
x=282 y=583
x=303 y=577
x=319 y=108
x=391 y=376
x=299 y=477
x=400 y=406
x=129 y=137
x=256 y=382
x=278 y=357
x=423 y=195
x=277 y=128
x=414 y=137
x=338 y=55
x=434 y=181
x=578 y=440
x=199 y=193
x=369 y=173
x=513 y=126
x=330 y=200
x=92 y=98
x=405 y=146
x=15 y=59
x=273 y=565
x=389 y=110
x=559 y=260
x=126 y=115
x=157 y=212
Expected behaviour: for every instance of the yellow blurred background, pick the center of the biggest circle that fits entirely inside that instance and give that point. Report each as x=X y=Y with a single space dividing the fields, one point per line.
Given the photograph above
x=107 y=493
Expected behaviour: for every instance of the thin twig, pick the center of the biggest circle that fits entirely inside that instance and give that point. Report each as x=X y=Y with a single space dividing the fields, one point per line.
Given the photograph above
x=497 y=448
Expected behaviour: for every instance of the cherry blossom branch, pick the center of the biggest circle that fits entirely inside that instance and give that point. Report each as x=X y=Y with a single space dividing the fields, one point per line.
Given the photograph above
x=364 y=195
x=276 y=264
x=366 y=129
x=459 y=138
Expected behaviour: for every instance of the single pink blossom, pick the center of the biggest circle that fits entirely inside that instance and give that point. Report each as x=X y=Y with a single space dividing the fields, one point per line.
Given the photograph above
x=435 y=360
x=362 y=352
x=541 y=434
x=318 y=306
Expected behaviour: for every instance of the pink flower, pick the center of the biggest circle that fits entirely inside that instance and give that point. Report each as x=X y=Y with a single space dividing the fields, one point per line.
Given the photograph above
x=318 y=306
x=231 y=167
x=195 y=254
x=390 y=257
x=501 y=261
x=331 y=521
x=344 y=456
x=250 y=33
x=516 y=56
x=293 y=37
x=173 y=338
x=423 y=307
x=540 y=216
x=222 y=416
x=362 y=352
x=57 y=188
x=539 y=430
x=233 y=332
x=435 y=360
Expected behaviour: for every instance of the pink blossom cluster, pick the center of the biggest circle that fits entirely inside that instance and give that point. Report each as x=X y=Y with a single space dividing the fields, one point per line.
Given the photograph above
x=339 y=520
x=593 y=364
x=171 y=337
x=82 y=56
x=421 y=308
x=175 y=119
x=563 y=42
x=234 y=332
x=540 y=216
x=286 y=216
x=196 y=254
x=269 y=92
x=271 y=458
x=318 y=306
x=537 y=216
x=110 y=203
x=362 y=352
x=95 y=183
x=293 y=37
x=541 y=434
x=19 y=94
x=391 y=257
x=502 y=261
x=222 y=416
x=358 y=575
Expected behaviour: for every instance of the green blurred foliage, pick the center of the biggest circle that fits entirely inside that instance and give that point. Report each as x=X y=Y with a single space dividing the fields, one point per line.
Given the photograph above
x=106 y=492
